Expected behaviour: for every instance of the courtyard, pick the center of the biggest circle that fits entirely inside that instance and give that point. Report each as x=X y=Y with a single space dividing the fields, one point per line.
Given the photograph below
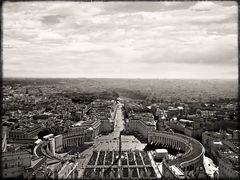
x=118 y=156
x=131 y=164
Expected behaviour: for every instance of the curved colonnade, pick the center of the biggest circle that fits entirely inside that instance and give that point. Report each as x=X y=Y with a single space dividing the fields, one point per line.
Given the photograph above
x=74 y=137
x=193 y=149
x=73 y=140
x=41 y=150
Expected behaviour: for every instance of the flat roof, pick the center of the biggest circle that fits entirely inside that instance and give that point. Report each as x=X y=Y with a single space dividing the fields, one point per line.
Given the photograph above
x=185 y=120
x=217 y=142
x=161 y=150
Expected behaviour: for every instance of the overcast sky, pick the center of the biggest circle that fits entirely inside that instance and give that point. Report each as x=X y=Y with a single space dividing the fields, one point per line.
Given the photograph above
x=120 y=39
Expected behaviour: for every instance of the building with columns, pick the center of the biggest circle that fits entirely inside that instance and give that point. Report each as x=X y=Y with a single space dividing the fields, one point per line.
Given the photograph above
x=58 y=142
x=94 y=124
x=191 y=160
x=141 y=123
x=81 y=132
x=74 y=137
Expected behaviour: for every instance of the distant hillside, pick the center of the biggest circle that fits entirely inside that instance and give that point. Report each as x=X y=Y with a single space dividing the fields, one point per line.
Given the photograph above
x=162 y=89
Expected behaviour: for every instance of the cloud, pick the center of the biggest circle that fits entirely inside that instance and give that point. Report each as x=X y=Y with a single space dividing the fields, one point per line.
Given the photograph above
x=197 y=49
x=51 y=19
x=49 y=36
x=205 y=6
x=92 y=39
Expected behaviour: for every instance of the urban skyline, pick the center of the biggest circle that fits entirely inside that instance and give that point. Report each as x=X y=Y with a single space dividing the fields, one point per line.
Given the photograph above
x=120 y=90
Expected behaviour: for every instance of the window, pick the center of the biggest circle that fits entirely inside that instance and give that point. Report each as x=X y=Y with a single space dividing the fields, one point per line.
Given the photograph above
x=18 y=164
x=5 y=166
x=18 y=157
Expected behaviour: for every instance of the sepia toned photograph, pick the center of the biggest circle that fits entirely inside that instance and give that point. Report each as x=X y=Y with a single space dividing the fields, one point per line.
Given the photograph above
x=120 y=90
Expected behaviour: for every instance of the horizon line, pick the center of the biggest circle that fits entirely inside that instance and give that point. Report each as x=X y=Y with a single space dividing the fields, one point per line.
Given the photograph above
x=119 y=78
